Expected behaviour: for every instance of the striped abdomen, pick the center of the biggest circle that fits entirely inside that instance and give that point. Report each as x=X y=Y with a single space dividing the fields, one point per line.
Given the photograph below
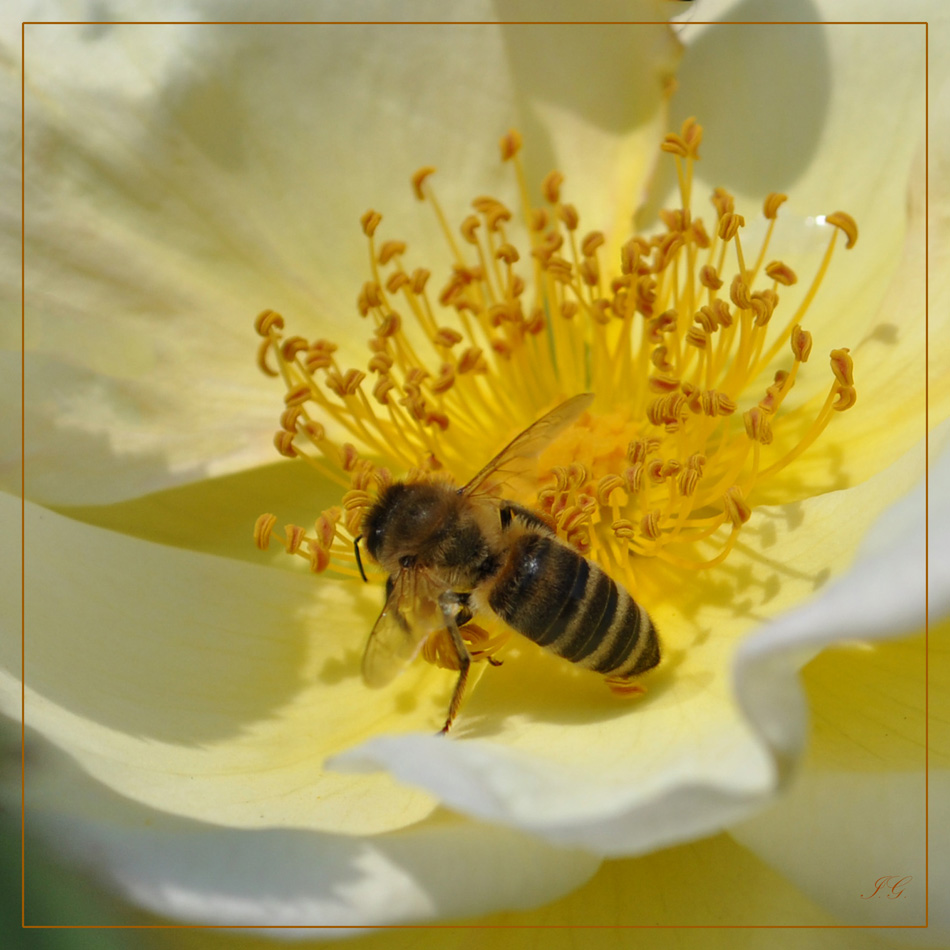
x=567 y=604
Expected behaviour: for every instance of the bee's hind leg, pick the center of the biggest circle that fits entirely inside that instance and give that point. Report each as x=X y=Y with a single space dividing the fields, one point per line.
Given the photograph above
x=449 y=604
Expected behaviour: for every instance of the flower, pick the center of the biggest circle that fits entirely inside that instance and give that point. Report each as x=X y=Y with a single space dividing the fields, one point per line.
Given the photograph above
x=194 y=738
x=657 y=467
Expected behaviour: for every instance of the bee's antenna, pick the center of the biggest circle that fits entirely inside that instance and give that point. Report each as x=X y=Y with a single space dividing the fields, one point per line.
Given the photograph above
x=359 y=560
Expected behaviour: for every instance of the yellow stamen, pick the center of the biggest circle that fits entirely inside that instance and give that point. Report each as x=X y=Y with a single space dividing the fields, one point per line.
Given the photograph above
x=678 y=339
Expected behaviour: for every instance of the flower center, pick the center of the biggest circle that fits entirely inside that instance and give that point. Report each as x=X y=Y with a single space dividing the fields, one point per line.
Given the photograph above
x=679 y=336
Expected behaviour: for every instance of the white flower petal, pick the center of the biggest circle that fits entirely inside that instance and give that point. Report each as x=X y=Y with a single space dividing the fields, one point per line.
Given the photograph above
x=863 y=800
x=858 y=814
x=600 y=120
x=883 y=595
x=874 y=723
x=200 y=685
x=182 y=178
x=205 y=872
x=836 y=834
x=164 y=213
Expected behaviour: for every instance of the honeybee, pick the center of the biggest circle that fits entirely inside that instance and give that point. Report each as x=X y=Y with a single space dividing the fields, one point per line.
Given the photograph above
x=452 y=553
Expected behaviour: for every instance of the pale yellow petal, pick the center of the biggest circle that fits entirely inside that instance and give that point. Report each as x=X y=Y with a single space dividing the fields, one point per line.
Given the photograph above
x=216 y=515
x=207 y=872
x=693 y=896
x=871 y=705
x=878 y=756
x=178 y=182
x=201 y=686
x=593 y=101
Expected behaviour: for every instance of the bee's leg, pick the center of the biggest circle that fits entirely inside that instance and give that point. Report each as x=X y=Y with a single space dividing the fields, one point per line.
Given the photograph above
x=449 y=604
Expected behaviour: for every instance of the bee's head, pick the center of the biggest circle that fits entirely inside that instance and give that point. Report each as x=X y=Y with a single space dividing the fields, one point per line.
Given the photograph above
x=404 y=520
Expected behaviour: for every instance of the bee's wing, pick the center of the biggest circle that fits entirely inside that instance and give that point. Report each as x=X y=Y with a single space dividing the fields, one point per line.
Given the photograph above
x=411 y=613
x=530 y=443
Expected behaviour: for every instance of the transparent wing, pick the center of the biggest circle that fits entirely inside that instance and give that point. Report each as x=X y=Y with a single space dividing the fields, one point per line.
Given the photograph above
x=509 y=462
x=411 y=613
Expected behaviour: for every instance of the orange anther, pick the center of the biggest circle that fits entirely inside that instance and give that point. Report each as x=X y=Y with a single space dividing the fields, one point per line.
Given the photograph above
x=605 y=486
x=284 y=443
x=772 y=202
x=781 y=273
x=262 y=530
x=507 y=253
x=568 y=214
x=698 y=231
x=650 y=525
x=663 y=384
x=510 y=144
x=688 y=480
x=697 y=337
x=722 y=201
x=444 y=381
x=591 y=242
x=325 y=526
x=729 y=225
x=633 y=477
x=763 y=303
x=292 y=346
x=396 y=281
x=538 y=220
x=843 y=366
x=845 y=399
x=349 y=457
x=757 y=426
x=691 y=133
x=370 y=221
x=675 y=145
x=446 y=336
x=289 y=417
x=739 y=293
x=295 y=537
x=418 y=180
x=382 y=389
x=468 y=228
x=659 y=360
x=319 y=558
x=314 y=431
x=735 y=507
x=843 y=220
x=266 y=320
x=723 y=315
x=709 y=278
x=551 y=187
x=390 y=325
x=801 y=343
x=389 y=250
x=297 y=396
x=419 y=278
x=472 y=360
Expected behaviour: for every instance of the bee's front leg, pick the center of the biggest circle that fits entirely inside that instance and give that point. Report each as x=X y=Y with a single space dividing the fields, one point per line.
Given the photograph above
x=449 y=602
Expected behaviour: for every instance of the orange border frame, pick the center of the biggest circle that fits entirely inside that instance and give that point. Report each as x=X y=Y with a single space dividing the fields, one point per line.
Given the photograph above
x=24 y=925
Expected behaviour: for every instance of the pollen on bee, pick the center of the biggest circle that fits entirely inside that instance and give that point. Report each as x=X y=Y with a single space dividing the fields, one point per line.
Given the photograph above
x=482 y=645
x=682 y=335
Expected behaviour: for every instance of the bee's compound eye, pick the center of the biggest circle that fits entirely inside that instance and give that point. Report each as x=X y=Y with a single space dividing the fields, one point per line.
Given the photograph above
x=407 y=560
